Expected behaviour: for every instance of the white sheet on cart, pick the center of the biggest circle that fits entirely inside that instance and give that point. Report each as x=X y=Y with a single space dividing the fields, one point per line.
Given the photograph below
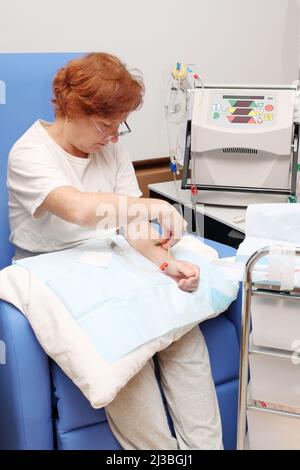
x=266 y=225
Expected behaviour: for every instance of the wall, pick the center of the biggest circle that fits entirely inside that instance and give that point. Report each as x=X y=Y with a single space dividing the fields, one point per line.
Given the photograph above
x=236 y=41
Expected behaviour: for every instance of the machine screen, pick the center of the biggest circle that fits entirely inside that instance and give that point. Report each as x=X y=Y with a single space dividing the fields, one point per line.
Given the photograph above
x=227 y=110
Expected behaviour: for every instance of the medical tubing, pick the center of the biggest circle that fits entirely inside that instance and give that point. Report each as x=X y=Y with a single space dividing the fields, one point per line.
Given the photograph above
x=173 y=167
x=194 y=202
x=172 y=153
x=171 y=104
x=178 y=195
x=170 y=109
x=120 y=251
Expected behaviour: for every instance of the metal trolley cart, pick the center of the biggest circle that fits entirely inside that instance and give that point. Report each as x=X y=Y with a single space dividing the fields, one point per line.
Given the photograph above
x=269 y=405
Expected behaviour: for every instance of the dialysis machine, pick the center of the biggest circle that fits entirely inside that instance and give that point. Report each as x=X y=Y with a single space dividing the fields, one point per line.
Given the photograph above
x=241 y=145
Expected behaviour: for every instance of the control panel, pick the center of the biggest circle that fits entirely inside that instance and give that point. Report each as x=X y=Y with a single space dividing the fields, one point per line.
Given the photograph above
x=230 y=110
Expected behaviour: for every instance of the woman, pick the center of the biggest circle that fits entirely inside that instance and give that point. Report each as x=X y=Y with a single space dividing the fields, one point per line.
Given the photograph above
x=72 y=180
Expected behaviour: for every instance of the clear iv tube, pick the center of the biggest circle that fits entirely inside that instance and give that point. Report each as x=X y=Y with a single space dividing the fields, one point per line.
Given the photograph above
x=175 y=115
x=194 y=202
x=171 y=105
x=121 y=252
x=178 y=194
x=171 y=109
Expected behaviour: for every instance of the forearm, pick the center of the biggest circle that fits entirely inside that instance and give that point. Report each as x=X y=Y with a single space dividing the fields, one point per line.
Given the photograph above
x=146 y=244
x=111 y=210
x=96 y=209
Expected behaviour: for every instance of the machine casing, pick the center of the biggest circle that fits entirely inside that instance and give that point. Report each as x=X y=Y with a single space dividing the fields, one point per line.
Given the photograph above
x=244 y=145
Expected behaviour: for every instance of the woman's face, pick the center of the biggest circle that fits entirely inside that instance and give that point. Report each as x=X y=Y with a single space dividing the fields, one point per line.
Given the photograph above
x=90 y=133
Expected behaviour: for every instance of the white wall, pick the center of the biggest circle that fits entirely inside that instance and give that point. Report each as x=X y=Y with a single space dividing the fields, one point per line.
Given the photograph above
x=236 y=41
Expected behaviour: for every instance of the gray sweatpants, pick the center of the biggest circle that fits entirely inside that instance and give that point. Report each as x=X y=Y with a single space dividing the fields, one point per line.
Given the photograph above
x=137 y=416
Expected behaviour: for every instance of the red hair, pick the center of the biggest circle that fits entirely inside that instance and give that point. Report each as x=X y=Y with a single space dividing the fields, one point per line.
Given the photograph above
x=96 y=84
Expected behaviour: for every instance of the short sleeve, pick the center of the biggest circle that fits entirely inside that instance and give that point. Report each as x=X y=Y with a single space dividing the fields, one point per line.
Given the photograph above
x=32 y=174
x=126 y=182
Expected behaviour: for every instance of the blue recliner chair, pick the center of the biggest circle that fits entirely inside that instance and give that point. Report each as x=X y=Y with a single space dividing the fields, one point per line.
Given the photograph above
x=40 y=408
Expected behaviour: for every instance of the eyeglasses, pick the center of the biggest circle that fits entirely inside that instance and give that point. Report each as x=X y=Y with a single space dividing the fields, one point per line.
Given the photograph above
x=125 y=130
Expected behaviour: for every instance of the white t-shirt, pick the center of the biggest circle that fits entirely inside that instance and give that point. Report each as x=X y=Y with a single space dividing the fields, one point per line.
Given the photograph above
x=37 y=165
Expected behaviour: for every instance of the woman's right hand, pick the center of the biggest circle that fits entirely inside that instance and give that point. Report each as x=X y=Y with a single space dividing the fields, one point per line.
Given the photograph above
x=172 y=224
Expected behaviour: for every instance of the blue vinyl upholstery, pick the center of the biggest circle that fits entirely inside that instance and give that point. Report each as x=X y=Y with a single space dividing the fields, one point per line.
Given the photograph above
x=40 y=408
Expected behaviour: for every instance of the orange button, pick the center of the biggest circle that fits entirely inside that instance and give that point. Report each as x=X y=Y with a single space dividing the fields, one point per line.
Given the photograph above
x=269 y=107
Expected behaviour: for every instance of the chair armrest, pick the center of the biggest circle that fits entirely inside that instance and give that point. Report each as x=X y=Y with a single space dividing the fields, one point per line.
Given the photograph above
x=234 y=313
x=25 y=391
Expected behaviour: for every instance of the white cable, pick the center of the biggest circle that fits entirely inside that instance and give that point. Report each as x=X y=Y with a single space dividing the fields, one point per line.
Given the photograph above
x=178 y=194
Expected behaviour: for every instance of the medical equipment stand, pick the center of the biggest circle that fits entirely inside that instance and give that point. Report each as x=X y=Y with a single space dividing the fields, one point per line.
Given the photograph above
x=248 y=290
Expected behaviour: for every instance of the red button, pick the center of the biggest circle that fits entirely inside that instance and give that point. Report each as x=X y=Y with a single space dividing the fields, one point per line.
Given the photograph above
x=194 y=190
x=269 y=107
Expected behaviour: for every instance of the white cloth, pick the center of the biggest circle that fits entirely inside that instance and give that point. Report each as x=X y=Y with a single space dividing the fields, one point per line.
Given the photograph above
x=269 y=225
x=101 y=331
x=297 y=107
x=129 y=299
x=37 y=165
x=66 y=343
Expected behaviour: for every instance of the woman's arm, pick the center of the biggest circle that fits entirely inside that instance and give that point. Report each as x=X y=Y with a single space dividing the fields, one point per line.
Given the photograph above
x=185 y=274
x=90 y=209
x=110 y=210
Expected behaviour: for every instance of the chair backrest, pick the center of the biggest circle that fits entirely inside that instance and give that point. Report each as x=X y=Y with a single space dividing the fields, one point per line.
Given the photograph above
x=25 y=96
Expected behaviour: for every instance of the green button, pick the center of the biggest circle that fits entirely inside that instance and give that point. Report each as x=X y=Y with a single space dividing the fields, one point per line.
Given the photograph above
x=216 y=115
x=232 y=102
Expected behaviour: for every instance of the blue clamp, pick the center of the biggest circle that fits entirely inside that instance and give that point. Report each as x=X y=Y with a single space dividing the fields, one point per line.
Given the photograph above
x=173 y=167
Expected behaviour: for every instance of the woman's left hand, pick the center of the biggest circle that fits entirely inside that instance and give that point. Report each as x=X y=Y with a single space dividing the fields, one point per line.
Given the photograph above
x=187 y=275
